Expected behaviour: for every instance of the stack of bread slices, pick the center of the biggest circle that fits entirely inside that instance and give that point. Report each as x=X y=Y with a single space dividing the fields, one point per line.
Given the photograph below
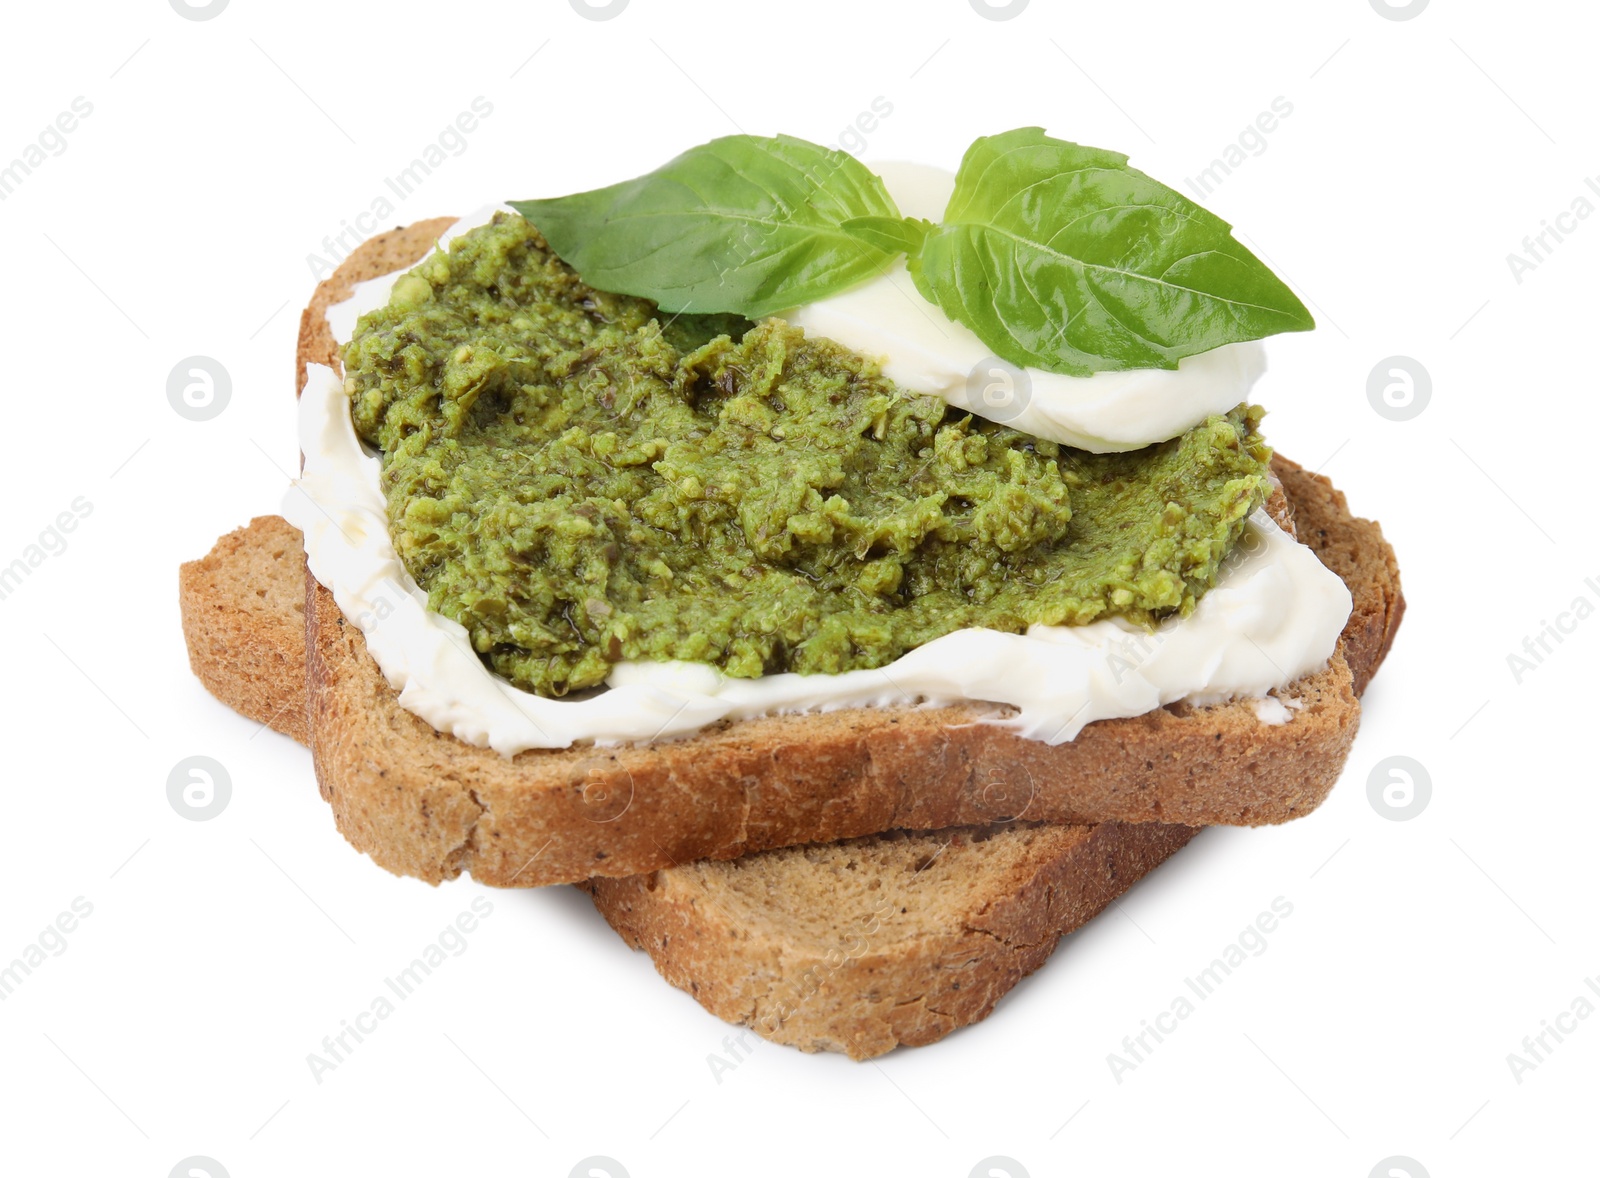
x=844 y=881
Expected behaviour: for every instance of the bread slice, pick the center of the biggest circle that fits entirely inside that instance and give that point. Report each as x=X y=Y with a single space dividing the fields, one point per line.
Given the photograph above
x=422 y=803
x=866 y=944
x=806 y=945
x=243 y=607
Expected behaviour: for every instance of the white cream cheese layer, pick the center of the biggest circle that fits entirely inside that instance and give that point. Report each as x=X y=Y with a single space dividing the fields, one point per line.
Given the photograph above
x=922 y=349
x=1274 y=615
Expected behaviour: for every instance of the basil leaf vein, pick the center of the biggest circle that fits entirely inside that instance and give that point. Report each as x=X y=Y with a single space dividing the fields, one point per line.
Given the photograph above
x=893 y=235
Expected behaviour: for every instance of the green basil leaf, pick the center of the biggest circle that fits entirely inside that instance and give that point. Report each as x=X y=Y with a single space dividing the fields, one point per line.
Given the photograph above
x=1062 y=257
x=743 y=224
x=893 y=235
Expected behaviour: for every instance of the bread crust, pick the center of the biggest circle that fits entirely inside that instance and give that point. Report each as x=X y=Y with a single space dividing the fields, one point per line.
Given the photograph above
x=422 y=803
x=1355 y=549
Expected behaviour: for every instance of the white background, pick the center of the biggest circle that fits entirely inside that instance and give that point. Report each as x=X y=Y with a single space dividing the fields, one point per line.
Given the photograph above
x=178 y=220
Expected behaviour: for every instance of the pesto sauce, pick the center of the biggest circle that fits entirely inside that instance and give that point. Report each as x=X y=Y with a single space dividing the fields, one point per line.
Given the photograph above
x=578 y=483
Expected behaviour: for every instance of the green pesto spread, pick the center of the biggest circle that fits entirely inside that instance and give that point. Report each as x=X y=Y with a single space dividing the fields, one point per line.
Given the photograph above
x=579 y=483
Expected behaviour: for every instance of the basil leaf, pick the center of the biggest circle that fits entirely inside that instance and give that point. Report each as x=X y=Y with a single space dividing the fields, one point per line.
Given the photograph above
x=1062 y=257
x=893 y=235
x=742 y=224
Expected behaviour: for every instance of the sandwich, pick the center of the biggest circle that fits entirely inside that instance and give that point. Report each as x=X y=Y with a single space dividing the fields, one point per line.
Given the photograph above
x=599 y=590
x=766 y=518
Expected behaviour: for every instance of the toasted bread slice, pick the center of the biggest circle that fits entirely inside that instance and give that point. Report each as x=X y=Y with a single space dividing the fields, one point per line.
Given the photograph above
x=899 y=938
x=797 y=942
x=423 y=803
x=244 y=621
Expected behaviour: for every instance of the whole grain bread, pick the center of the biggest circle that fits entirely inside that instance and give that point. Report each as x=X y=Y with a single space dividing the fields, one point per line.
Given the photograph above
x=422 y=803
